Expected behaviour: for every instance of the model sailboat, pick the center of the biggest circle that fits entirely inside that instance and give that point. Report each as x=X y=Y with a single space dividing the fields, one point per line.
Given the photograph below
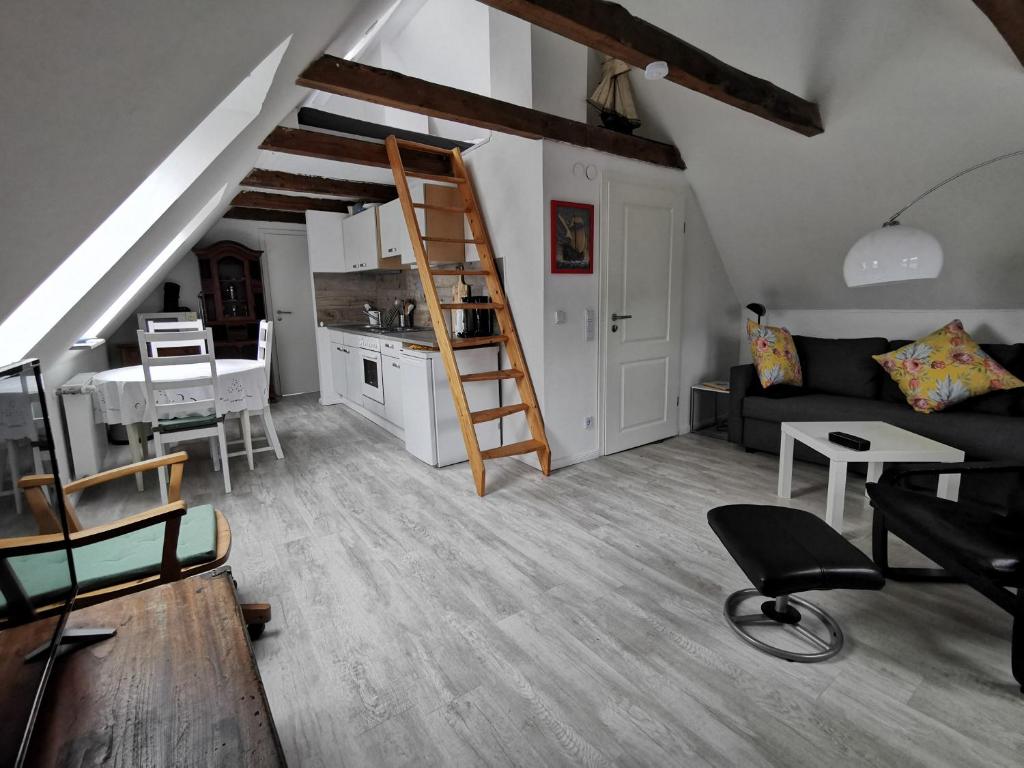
x=613 y=97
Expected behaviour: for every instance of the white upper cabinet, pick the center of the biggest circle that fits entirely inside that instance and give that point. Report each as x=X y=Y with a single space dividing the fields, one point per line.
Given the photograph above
x=362 y=246
x=325 y=242
x=394 y=234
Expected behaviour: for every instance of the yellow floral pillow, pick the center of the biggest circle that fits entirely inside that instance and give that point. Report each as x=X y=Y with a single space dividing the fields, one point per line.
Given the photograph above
x=944 y=368
x=774 y=355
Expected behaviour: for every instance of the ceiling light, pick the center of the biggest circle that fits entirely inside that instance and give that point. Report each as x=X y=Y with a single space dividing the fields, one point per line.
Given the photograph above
x=656 y=70
x=895 y=252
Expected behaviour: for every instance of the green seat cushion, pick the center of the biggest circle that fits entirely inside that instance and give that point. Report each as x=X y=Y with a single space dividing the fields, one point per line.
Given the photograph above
x=134 y=555
x=187 y=422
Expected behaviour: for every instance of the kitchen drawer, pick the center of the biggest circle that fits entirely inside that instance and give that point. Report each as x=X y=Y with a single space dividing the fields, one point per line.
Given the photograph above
x=352 y=339
x=335 y=337
x=390 y=347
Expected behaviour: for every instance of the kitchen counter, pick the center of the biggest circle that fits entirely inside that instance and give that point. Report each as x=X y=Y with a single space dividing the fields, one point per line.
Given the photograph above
x=423 y=337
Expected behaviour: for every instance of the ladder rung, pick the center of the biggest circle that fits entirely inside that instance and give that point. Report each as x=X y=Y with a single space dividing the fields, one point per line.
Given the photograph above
x=511 y=373
x=451 y=240
x=435 y=177
x=448 y=208
x=480 y=272
x=496 y=413
x=478 y=341
x=513 y=449
x=422 y=147
x=478 y=305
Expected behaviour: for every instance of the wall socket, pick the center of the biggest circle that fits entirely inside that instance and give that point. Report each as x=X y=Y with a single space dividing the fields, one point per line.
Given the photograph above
x=588 y=422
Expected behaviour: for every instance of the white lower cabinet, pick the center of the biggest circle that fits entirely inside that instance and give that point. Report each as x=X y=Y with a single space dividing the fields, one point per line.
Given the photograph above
x=339 y=368
x=354 y=375
x=393 y=390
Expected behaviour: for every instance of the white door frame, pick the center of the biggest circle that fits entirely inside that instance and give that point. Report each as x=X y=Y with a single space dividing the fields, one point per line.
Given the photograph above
x=602 y=298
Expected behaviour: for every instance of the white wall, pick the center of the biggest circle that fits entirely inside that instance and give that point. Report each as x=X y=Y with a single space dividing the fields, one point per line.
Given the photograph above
x=559 y=75
x=1005 y=326
x=911 y=92
x=572 y=365
x=186 y=274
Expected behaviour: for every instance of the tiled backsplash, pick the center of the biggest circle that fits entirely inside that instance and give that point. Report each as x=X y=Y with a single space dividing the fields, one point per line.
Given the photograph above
x=340 y=296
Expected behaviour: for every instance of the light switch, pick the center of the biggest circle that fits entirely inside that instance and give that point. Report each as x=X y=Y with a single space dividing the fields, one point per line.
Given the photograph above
x=559 y=317
x=588 y=325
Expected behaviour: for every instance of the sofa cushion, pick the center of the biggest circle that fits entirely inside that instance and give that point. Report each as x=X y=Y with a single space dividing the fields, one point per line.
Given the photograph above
x=1008 y=402
x=841 y=366
x=944 y=368
x=982 y=436
x=890 y=391
x=774 y=355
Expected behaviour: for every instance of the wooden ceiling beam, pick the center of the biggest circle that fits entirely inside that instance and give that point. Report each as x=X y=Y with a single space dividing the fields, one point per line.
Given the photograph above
x=275 y=202
x=299 y=141
x=319 y=185
x=256 y=214
x=392 y=89
x=1008 y=18
x=611 y=29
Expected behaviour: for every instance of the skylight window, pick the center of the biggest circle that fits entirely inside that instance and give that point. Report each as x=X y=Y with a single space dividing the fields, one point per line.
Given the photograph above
x=80 y=271
x=140 y=282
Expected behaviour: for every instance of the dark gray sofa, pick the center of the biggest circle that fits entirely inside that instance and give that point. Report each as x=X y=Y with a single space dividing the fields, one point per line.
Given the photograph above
x=842 y=382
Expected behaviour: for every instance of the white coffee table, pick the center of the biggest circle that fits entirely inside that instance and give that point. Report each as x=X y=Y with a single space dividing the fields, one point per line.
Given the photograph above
x=888 y=444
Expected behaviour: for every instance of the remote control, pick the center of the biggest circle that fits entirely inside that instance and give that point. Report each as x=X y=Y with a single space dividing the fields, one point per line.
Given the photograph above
x=849 y=441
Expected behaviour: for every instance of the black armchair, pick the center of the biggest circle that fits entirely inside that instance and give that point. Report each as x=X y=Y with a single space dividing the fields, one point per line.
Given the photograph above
x=978 y=545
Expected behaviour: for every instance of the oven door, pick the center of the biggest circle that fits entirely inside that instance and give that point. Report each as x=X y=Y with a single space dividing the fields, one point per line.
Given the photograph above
x=373 y=381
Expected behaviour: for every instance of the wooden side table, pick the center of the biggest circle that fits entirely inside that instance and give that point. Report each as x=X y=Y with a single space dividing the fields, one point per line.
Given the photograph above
x=178 y=685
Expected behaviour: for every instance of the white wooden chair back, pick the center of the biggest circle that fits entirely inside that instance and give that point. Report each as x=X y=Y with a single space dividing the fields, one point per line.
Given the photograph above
x=165 y=380
x=175 y=341
x=163 y=317
x=265 y=350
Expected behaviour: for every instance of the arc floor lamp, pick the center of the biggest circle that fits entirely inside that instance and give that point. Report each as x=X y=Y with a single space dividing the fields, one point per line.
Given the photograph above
x=895 y=252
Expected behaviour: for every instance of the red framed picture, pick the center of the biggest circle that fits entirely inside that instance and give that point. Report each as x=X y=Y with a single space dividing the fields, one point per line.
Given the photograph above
x=572 y=238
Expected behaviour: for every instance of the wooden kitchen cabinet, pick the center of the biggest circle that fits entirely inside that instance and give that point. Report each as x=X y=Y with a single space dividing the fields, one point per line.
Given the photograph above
x=325 y=241
x=361 y=243
x=354 y=375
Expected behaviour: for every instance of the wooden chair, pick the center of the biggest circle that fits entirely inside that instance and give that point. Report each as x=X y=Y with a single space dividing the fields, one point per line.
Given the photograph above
x=264 y=348
x=176 y=422
x=117 y=558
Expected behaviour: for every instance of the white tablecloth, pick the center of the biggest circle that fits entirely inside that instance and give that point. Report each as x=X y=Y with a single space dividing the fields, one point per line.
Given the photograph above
x=119 y=395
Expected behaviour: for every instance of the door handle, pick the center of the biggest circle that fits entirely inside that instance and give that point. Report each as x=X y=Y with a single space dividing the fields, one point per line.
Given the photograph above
x=620 y=317
x=283 y=311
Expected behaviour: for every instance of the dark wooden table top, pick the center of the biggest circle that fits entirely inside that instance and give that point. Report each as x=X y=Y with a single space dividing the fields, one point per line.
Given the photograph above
x=177 y=686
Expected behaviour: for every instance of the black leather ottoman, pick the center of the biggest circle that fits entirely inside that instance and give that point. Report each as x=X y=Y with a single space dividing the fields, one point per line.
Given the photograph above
x=782 y=551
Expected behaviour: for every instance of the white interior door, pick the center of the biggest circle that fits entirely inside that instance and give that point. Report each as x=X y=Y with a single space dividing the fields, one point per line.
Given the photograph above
x=641 y=311
x=291 y=308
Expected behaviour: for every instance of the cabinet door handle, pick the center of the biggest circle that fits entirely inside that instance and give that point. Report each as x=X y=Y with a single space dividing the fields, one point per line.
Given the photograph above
x=395 y=365
x=345 y=351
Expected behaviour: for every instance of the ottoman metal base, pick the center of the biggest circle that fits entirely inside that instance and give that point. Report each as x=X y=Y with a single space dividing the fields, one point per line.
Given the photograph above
x=780 y=612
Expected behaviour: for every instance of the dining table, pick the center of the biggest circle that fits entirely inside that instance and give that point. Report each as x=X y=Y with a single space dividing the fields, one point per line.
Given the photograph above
x=120 y=396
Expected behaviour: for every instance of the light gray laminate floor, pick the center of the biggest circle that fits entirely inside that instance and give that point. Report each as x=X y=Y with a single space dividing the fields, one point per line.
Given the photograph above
x=573 y=620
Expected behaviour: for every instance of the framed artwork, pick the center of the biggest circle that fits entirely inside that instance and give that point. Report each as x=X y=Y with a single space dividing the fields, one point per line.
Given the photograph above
x=572 y=238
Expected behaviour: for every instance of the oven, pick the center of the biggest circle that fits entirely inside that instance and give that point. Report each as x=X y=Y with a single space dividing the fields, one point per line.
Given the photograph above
x=373 y=369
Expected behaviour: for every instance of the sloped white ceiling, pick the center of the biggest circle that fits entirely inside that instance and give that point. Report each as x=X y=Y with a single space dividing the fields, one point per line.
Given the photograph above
x=910 y=91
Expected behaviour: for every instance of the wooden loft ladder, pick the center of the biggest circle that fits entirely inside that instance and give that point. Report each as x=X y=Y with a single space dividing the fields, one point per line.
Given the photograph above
x=507 y=335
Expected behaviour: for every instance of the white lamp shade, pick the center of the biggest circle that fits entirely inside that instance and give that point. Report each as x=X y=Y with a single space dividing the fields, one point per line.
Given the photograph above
x=890 y=254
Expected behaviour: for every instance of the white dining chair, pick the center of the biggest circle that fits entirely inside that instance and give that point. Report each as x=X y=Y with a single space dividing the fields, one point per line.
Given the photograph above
x=156 y=325
x=177 y=421
x=264 y=351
